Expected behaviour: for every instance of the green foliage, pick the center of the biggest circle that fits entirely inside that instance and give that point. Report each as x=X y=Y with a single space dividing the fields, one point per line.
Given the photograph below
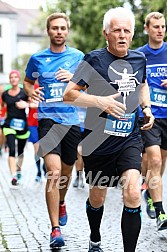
x=86 y=22
x=86 y=18
x=141 y=9
x=87 y=15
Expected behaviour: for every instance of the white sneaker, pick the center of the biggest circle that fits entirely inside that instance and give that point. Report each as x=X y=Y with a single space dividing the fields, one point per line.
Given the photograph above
x=95 y=247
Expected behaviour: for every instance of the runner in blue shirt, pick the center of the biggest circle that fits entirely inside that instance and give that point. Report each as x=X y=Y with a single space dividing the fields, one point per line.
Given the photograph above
x=155 y=140
x=59 y=130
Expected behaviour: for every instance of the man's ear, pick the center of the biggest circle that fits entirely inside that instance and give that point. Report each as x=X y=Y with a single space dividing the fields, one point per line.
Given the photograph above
x=105 y=35
x=146 y=28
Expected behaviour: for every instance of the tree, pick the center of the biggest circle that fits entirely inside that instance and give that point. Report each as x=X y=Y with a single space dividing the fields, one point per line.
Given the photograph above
x=86 y=22
x=86 y=19
x=141 y=9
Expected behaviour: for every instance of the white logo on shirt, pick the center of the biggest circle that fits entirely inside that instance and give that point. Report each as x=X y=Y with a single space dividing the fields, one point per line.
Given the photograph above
x=67 y=64
x=126 y=84
x=47 y=60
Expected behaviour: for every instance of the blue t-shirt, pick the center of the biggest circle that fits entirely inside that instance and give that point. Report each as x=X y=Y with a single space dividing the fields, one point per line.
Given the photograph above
x=43 y=66
x=105 y=74
x=156 y=70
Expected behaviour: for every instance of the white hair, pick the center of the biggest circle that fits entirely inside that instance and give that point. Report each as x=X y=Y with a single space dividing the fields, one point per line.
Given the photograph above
x=116 y=12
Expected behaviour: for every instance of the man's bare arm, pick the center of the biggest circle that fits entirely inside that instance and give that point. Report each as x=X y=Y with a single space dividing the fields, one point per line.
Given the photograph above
x=145 y=104
x=108 y=104
x=36 y=94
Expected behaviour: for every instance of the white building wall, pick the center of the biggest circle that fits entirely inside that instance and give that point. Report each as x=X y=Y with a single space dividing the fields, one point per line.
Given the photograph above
x=28 y=45
x=8 y=44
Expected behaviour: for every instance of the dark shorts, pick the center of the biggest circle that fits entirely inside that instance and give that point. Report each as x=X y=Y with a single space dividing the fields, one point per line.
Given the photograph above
x=106 y=170
x=157 y=135
x=59 y=139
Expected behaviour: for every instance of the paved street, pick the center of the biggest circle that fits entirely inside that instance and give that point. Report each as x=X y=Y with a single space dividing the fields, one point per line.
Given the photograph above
x=25 y=226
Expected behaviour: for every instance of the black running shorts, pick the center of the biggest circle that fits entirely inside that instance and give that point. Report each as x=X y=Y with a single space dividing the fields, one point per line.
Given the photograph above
x=157 y=135
x=59 y=139
x=105 y=170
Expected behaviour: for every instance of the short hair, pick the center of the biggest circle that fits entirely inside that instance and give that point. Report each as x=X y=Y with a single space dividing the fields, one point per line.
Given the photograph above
x=55 y=16
x=116 y=12
x=155 y=15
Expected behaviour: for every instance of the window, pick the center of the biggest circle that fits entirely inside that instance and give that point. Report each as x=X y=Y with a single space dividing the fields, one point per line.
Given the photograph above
x=1 y=63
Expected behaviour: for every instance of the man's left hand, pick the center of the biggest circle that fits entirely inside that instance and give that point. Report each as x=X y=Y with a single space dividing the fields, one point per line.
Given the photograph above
x=63 y=75
x=149 y=119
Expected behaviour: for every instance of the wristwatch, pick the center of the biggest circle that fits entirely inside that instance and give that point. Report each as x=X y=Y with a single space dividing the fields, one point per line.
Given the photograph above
x=144 y=107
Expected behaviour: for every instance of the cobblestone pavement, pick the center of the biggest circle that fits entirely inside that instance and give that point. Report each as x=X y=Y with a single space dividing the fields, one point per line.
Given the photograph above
x=25 y=226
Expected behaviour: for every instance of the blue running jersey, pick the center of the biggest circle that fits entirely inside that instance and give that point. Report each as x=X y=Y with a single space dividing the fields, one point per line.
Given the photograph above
x=43 y=66
x=156 y=70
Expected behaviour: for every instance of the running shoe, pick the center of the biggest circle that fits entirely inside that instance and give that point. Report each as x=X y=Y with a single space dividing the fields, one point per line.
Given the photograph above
x=95 y=247
x=19 y=177
x=78 y=182
x=14 y=181
x=38 y=178
x=149 y=206
x=56 y=239
x=62 y=215
x=162 y=222
x=82 y=185
x=144 y=186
